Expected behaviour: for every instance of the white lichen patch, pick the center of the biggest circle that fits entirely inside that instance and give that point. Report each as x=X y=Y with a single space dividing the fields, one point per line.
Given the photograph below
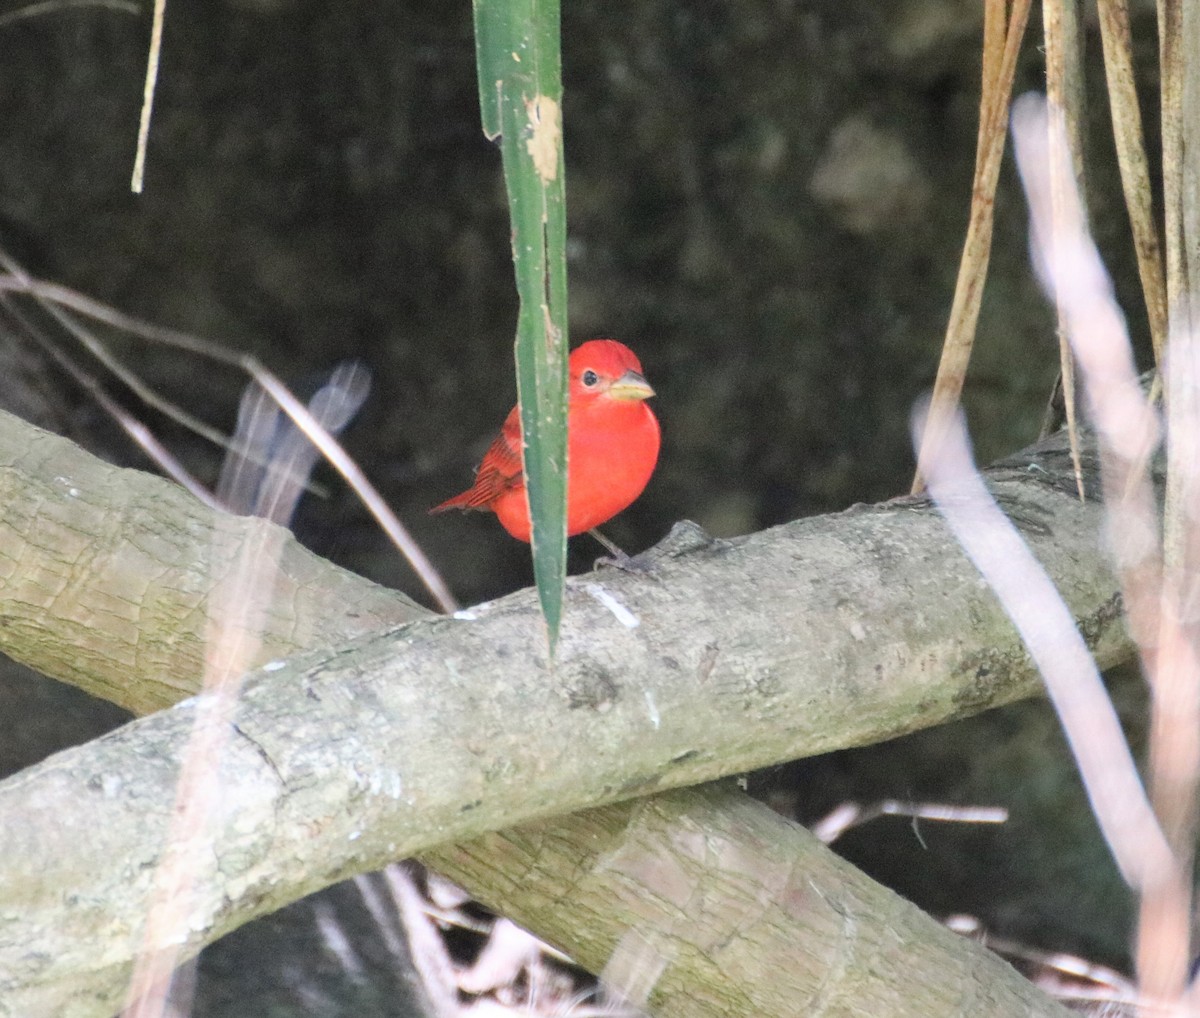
x=378 y=782
x=619 y=611
x=652 y=707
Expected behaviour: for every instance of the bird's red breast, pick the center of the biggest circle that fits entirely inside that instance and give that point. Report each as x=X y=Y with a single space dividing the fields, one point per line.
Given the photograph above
x=612 y=446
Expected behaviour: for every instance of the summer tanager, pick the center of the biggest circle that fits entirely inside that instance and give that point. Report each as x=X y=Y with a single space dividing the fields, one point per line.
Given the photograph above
x=612 y=446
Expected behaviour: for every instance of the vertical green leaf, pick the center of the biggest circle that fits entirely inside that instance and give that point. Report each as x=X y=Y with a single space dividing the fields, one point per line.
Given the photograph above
x=520 y=96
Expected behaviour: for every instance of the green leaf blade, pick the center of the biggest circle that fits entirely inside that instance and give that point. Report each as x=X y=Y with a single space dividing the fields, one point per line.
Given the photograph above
x=520 y=93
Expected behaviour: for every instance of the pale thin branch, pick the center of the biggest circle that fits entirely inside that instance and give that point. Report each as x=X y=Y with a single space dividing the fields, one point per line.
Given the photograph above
x=1164 y=953
x=138 y=432
x=1128 y=429
x=1160 y=599
x=1079 y=979
x=1165 y=923
x=101 y=312
x=1072 y=679
x=236 y=624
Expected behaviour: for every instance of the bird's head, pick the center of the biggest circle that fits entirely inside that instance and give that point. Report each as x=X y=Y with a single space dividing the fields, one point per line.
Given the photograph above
x=605 y=368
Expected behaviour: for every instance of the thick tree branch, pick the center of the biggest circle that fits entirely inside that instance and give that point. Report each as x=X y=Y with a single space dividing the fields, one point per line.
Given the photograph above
x=726 y=909
x=105 y=576
x=830 y=632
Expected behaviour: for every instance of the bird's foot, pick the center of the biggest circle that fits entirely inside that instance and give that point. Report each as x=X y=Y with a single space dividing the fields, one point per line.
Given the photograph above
x=685 y=538
x=619 y=559
x=628 y=563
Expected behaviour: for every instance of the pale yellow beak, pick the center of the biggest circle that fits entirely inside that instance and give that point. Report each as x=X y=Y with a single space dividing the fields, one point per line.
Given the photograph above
x=630 y=385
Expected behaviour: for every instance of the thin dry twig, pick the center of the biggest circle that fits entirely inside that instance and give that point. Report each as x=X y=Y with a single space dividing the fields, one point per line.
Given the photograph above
x=1170 y=64
x=333 y=451
x=1126 y=423
x=1165 y=919
x=852 y=814
x=344 y=464
x=1165 y=922
x=137 y=431
x=18 y=281
x=1062 y=976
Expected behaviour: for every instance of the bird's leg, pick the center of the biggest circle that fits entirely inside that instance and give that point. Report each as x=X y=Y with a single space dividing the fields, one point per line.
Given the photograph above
x=618 y=558
x=613 y=550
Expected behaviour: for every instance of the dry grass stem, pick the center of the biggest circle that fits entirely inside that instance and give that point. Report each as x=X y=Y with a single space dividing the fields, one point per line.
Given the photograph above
x=1126 y=425
x=1064 y=85
x=344 y=464
x=148 y=89
x=1001 y=47
x=1131 y=159
x=1170 y=33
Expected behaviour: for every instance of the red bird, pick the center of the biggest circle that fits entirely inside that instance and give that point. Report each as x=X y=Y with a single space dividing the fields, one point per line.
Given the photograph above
x=612 y=446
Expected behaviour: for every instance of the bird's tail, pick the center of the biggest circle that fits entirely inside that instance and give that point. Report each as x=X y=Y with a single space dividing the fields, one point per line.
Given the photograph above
x=466 y=501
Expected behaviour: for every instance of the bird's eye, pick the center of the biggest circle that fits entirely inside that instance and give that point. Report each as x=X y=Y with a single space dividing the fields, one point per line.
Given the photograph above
x=589 y=378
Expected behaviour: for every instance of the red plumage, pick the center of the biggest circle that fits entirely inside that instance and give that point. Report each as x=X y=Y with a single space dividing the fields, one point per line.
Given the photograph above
x=612 y=446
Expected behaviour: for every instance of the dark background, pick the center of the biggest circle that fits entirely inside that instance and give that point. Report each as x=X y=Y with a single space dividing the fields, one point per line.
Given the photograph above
x=766 y=199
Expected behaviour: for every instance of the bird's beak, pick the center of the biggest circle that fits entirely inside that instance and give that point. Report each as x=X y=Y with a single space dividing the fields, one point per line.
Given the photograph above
x=630 y=385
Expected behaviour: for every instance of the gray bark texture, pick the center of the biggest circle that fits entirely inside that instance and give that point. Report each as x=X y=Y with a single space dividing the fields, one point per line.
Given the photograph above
x=725 y=908
x=830 y=632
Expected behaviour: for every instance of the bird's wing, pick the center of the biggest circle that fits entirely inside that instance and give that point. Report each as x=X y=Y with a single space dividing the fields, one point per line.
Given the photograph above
x=499 y=471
